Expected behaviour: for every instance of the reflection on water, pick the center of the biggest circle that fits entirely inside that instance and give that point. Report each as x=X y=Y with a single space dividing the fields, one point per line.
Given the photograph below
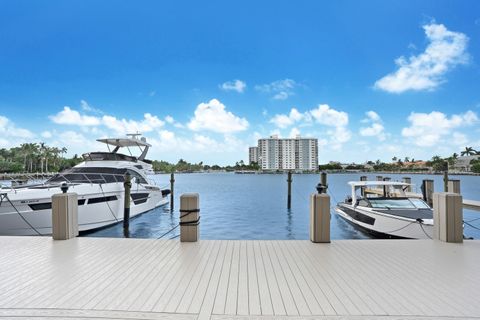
x=255 y=206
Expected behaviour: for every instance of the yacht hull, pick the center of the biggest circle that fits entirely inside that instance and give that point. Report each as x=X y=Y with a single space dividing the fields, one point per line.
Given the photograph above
x=28 y=211
x=384 y=225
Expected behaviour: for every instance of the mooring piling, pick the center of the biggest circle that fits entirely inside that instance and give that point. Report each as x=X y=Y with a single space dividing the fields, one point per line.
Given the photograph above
x=289 y=192
x=427 y=191
x=454 y=186
x=409 y=181
x=320 y=216
x=64 y=215
x=448 y=217
x=189 y=217
x=172 y=183
x=445 y=181
x=127 y=184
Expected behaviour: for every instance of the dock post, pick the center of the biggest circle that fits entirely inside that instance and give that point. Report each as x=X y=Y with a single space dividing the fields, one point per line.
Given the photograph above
x=289 y=194
x=427 y=191
x=172 y=183
x=408 y=180
x=189 y=217
x=320 y=218
x=454 y=186
x=445 y=181
x=127 y=184
x=447 y=217
x=323 y=181
x=362 y=189
x=64 y=215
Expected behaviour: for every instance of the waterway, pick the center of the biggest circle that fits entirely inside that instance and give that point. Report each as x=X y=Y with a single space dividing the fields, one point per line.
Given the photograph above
x=254 y=206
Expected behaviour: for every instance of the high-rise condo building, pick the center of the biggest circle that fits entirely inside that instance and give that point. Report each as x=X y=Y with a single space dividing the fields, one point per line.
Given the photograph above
x=287 y=154
x=253 y=155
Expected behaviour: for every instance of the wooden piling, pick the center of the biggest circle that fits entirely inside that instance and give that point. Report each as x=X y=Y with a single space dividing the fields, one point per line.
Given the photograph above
x=445 y=181
x=427 y=191
x=454 y=186
x=289 y=194
x=172 y=183
x=127 y=184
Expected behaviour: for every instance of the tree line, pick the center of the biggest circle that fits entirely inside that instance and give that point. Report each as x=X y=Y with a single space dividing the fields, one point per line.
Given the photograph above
x=35 y=157
x=184 y=166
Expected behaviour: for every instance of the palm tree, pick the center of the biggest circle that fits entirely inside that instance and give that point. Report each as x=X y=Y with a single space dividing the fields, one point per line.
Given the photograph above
x=468 y=151
x=455 y=155
x=407 y=159
x=394 y=158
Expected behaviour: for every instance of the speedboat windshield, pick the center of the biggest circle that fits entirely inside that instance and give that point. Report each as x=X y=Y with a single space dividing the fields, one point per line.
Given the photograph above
x=397 y=203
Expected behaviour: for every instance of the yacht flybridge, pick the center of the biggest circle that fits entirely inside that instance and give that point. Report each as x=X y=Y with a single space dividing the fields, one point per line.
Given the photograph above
x=384 y=209
x=98 y=181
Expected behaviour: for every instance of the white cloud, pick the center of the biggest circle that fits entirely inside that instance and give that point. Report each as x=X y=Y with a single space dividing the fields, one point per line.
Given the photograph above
x=284 y=121
x=73 y=117
x=375 y=129
x=46 y=134
x=294 y=133
x=281 y=89
x=426 y=71
x=169 y=119
x=427 y=129
x=213 y=116
x=235 y=85
x=323 y=114
x=124 y=126
x=8 y=129
x=86 y=107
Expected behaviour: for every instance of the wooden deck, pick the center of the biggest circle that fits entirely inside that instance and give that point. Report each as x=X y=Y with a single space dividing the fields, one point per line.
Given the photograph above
x=99 y=278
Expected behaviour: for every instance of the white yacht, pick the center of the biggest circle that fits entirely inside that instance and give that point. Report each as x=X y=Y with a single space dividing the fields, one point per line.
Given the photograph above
x=98 y=181
x=384 y=209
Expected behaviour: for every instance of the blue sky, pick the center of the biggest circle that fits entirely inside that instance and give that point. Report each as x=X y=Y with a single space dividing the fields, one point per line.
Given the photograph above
x=204 y=80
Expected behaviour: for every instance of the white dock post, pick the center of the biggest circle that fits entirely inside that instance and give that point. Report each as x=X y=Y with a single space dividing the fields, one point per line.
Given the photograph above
x=64 y=215
x=454 y=186
x=320 y=218
x=447 y=217
x=189 y=217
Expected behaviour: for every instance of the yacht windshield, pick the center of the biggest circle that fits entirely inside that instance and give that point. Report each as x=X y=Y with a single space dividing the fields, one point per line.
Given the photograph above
x=398 y=203
x=95 y=175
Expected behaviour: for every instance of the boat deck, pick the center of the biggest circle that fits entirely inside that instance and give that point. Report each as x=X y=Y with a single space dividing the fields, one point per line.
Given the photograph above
x=100 y=278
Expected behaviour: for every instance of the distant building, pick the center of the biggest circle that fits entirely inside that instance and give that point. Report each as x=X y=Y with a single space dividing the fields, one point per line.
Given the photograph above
x=463 y=163
x=288 y=154
x=252 y=155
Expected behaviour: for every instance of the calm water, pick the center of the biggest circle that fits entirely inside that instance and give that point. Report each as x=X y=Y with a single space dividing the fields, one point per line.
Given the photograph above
x=237 y=206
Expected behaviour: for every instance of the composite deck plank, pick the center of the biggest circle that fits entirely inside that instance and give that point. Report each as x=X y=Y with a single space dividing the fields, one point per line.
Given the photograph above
x=343 y=264
x=266 y=307
x=299 y=276
x=297 y=294
x=232 y=291
x=253 y=288
x=221 y=295
x=206 y=262
x=322 y=274
x=124 y=278
x=325 y=295
x=149 y=277
x=155 y=289
x=276 y=296
x=171 y=297
x=288 y=300
x=206 y=306
x=211 y=274
x=242 y=299
x=119 y=299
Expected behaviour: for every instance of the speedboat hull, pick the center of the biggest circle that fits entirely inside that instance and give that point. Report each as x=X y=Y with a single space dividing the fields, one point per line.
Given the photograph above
x=386 y=225
x=27 y=211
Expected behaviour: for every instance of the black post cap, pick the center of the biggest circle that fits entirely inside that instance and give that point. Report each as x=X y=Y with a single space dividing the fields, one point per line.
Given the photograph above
x=64 y=187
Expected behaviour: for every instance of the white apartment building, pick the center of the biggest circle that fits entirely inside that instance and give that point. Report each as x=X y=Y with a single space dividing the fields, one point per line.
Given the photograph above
x=288 y=154
x=252 y=155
